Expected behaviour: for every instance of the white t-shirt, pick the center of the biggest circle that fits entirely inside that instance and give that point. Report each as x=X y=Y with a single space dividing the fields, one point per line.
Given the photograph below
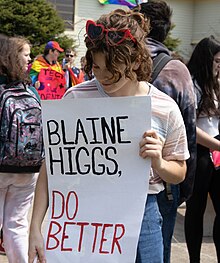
x=209 y=124
x=166 y=121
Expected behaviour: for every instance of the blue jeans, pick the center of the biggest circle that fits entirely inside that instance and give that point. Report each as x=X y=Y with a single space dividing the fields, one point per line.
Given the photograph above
x=168 y=210
x=150 y=244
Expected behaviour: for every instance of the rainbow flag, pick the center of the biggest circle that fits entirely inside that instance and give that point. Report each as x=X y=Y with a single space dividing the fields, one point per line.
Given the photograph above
x=129 y=3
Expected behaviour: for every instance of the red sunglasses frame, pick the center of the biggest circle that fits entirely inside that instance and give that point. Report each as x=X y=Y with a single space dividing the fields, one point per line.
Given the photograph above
x=127 y=33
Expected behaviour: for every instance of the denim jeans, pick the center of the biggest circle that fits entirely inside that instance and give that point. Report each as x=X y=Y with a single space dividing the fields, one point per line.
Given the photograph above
x=150 y=244
x=168 y=210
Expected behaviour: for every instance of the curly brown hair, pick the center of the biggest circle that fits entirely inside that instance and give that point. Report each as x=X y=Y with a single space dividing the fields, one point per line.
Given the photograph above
x=10 y=66
x=127 y=51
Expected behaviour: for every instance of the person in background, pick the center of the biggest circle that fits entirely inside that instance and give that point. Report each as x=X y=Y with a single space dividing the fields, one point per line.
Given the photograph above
x=30 y=65
x=121 y=64
x=17 y=183
x=46 y=73
x=83 y=64
x=73 y=75
x=204 y=67
x=2 y=249
x=174 y=80
x=3 y=43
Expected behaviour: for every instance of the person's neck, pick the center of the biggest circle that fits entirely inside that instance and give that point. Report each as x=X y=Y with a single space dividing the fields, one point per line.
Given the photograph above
x=71 y=64
x=137 y=88
x=49 y=59
x=134 y=88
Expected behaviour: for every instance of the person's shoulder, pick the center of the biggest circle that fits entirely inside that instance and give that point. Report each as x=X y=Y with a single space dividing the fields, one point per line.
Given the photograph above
x=56 y=66
x=161 y=102
x=85 y=89
x=86 y=86
x=38 y=63
x=164 y=108
x=175 y=76
x=75 y=68
x=156 y=94
x=177 y=67
x=39 y=58
x=33 y=90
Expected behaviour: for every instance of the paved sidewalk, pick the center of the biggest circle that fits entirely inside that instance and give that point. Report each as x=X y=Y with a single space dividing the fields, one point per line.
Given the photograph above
x=179 y=250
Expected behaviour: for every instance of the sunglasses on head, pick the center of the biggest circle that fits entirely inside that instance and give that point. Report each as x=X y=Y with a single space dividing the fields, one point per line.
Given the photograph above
x=113 y=36
x=69 y=55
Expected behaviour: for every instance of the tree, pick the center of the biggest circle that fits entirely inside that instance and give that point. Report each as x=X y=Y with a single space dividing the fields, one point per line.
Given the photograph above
x=36 y=20
x=170 y=42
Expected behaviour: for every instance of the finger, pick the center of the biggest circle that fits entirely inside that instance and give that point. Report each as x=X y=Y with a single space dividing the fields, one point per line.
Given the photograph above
x=148 y=143
x=150 y=151
x=149 y=140
x=41 y=255
x=151 y=133
x=150 y=154
x=31 y=257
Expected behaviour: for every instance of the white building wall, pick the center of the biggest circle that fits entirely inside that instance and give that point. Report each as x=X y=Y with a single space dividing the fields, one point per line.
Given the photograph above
x=194 y=19
x=183 y=18
x=207 y=19
x=87 y=9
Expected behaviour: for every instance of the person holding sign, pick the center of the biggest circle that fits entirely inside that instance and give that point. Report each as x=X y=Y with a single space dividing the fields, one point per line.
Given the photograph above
x=47 y=74
x=121 y=63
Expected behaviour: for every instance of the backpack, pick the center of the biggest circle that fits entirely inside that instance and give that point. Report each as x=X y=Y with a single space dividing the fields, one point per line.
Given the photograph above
x=159 y=63
x=21 y=135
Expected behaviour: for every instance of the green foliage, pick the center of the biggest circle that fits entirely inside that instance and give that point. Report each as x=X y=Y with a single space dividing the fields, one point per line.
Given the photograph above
x=170 y=42
x=36 y=20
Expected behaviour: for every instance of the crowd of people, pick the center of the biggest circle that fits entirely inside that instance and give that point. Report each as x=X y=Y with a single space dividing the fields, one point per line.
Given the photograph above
x=50 y=78
x=183 y=142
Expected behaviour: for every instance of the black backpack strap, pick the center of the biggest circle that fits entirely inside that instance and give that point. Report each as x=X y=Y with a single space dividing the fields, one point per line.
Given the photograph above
x=158 y=63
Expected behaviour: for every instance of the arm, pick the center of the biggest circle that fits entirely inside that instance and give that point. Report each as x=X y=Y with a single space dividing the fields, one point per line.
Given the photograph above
x=170 y=171
x=66 y=66
x=36 y=243
x=206 y=140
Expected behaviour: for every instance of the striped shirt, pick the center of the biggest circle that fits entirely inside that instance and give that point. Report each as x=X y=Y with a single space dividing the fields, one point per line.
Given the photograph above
x=166 y=121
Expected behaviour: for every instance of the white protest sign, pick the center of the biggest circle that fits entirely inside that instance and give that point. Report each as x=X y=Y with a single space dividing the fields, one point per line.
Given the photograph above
x=97 y=181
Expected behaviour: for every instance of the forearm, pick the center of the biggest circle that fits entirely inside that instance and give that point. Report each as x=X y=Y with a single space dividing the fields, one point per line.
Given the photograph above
x=206 y=140
x=36 y=242
x=40 y=199
x=172 y=171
